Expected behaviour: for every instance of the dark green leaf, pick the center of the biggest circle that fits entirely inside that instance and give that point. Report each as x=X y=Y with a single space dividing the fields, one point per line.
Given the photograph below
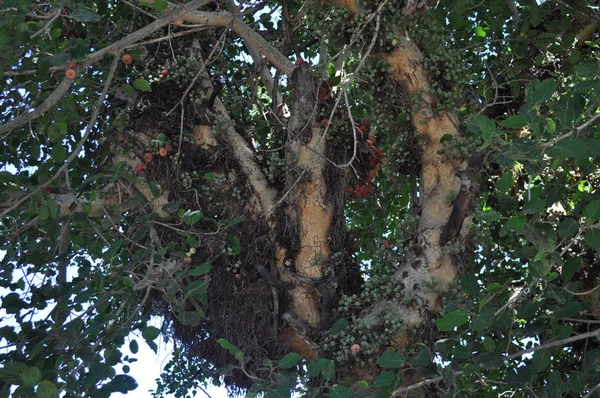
x=290 y=360
x=538 y=92
x=568 y=310
x=514 y=122
x=592 y=238
x=386 y=378
x=568 y=228
x=12 y=372
x=202 y=269
x=483 y=320
x=592 y=210
x=133 y=346
x=46 y=389
x=541 y=359
x=390 y=360
x=338 y=326
x=451 y=320
x=142 y=85
x=516 y=223
x=541 y=235
x=570 y=267
x=31 y=377
x=578 y=149
x=339 y=391
x=150 y=333
x=121 y=383
x=421 y=359
x=469 y=285
x=83 y=15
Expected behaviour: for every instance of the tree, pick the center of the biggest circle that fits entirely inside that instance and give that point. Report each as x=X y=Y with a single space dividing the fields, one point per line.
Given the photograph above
x=395 y=198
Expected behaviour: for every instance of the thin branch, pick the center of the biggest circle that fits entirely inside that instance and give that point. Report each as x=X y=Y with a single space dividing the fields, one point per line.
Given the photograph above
x=75 y=153
x=519 y=354
x=570 y=133
x=53 y=16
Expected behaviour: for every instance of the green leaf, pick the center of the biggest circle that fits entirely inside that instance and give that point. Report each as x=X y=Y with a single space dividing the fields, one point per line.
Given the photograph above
x=386 y=378
x=568 y=228
x=363 y=384
x=541 y=359
x=469 y=285
x=150 y=333
x=538 y=92
x=160 y=5
x=570 y=267
x=46 y=389
x=31 y=377
x=479 y=31
x=390 y=360
x=338 y=326
x=81 y=14
x=290 y=360
x=451 y=320
x=568 y=310
x=592 y=211
x=490 y=215
x=505 y=182
x=421 y=359
x=12 y=372
x=592 y=238
x=578 y=149
x=339 y=391
x=58 y=153
x=133 y=346
x=569 y=109
x=514 y=122
x=480 y=124
x=202 y=269
x=113 y=249
x=483 y=320
x=142 y=85
x=121 y=383
x=233 y=350
x=516 y=223
x=541 y=235
x=315 y=367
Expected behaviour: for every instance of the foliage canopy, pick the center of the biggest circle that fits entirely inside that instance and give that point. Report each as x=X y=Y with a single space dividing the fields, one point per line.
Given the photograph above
x=351 y=198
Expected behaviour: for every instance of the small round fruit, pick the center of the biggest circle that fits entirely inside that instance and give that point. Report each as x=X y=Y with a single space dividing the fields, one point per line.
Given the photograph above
x=324 y=122
x=355 y=348
x=169 y=148
x=387 y=245
x=193 y=250
x=164 y=73
x=178 y=22
x=148 y=158
x=127 y=59
x=139 y=168
x=299 y=61
x=187 y=260
x=163 y=152
x=71 y=74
